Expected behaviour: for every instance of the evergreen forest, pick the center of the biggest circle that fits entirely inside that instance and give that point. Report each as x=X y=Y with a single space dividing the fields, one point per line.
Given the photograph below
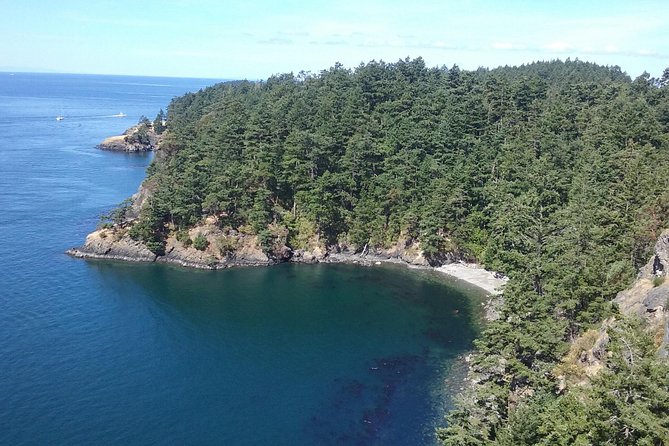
x=553 y=173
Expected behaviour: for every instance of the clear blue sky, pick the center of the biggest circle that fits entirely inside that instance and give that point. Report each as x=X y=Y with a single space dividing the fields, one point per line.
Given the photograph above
x=257 y=38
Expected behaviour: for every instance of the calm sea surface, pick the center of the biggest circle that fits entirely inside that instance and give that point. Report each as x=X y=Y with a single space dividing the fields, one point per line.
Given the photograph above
x=136 y=354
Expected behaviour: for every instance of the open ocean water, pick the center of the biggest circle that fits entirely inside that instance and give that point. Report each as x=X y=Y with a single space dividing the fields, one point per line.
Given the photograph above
x=109 y=353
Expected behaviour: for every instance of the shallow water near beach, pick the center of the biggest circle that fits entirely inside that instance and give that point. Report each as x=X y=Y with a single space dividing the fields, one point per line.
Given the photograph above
x=96 y=352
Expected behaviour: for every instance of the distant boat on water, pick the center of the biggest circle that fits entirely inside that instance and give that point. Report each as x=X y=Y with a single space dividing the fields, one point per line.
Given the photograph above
x=60 y=117
x=119 y=115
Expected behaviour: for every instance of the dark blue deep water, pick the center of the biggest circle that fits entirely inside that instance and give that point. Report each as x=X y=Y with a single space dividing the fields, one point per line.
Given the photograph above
x=137 y=354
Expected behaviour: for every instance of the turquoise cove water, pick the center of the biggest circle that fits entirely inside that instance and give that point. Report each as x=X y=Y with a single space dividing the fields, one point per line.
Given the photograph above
x=97 y=352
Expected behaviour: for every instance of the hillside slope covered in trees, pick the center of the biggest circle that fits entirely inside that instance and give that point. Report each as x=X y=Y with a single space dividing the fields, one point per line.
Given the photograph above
x=554 y=173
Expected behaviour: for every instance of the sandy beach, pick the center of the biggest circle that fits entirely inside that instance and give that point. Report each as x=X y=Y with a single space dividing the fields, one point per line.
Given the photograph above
x=476 y=275
x=472 y=273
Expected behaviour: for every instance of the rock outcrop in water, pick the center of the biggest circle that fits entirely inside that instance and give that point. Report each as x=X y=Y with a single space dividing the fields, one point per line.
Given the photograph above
x=113 y=244
x=139 y=138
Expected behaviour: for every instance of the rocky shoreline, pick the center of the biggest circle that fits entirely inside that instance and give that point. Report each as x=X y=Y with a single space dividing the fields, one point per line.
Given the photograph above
x=114 y=244
x=226 y=248
x=138 y=138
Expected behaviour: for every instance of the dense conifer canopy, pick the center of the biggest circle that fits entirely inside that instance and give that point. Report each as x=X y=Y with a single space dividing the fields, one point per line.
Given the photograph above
x=554 y=173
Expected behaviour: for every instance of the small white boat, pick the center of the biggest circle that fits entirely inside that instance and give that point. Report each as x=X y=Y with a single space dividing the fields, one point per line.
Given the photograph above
x=119 y=115
x=60 y=117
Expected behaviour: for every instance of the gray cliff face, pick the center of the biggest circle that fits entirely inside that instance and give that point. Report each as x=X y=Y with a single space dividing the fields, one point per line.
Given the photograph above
x=645 y=299
x=658 y=264
x=648 y=297
x=140 y=198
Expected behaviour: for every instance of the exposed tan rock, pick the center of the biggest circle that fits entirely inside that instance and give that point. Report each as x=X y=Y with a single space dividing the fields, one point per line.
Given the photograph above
x=406 y=250
x=116 y=244
x=649 y=295
x=247 y=249
x=128 y=141
x=646 y=299
x=113 y=244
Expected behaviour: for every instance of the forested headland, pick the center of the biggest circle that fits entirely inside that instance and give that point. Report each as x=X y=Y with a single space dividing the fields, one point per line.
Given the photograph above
x=554 y=173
